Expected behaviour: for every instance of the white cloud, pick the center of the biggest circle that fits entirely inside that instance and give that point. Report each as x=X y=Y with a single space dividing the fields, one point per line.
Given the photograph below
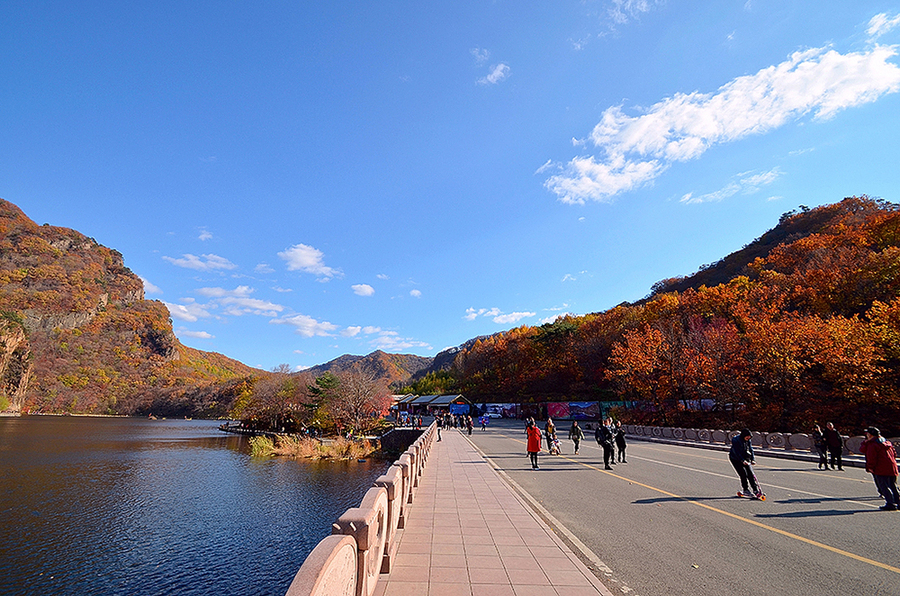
x=415 y=293
x=513 y=317
x=881 y=24
x=623 y=11
x=239 y=291
x=382 y=276
x=182 y=332
x=202 y=263
x=634 y=150
x=496 y=315
x=237 y=302
x=205 y=234
x=390 y=341
x=302 y=257
x=307 y=326
x=498 y=73
x=149 y=288
x=363 y=289
x=189 y=312
x=263 y=268
x=747 y=183
x=481 y=55
x=351 y=331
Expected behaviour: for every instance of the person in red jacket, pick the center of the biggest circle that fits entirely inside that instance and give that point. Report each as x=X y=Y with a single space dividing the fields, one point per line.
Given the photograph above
x=534 y=442
x=881 y=462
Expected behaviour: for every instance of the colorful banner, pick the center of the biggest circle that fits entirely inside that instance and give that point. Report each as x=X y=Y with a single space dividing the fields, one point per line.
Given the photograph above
x=584 y=410
x=558 y=409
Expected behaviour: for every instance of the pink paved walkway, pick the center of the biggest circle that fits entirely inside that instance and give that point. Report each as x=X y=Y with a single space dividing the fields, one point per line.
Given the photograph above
x=469 y=534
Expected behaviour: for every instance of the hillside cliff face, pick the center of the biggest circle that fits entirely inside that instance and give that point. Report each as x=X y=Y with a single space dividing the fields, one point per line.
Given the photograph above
x=80 y=337
x=383 y=366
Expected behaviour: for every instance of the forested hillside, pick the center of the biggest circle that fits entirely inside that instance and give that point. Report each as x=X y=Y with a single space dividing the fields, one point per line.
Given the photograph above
x=802 y=325
x=81 y=338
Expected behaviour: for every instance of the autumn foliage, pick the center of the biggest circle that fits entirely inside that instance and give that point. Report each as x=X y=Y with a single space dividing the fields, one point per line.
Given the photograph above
x=808 y=330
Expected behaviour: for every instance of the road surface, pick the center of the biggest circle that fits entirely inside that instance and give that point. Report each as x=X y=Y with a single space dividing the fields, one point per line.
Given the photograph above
x=668 y=522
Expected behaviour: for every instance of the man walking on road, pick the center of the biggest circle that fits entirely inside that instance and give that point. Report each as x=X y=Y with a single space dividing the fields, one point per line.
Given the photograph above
x=881 y=462
x=604 y=436
x=835 y=446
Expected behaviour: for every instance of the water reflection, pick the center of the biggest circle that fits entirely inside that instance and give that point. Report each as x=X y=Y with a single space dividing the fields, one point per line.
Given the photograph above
x=126 y=506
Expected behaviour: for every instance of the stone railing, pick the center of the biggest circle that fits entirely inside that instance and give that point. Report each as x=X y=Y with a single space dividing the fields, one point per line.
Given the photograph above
x=364 y=540
x=784 y=441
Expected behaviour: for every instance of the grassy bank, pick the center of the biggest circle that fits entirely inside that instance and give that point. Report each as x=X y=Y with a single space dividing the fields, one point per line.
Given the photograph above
x=338 y=448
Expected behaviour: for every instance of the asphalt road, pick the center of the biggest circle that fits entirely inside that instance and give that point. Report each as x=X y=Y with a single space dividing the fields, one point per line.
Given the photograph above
x=668 y=522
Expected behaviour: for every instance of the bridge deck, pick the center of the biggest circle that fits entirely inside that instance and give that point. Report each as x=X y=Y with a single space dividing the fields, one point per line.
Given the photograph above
x=469 y=534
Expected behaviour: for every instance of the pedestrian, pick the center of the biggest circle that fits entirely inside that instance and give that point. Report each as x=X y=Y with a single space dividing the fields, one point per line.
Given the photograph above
x=550 y=431
x=620 y=442
x=469 y=425
x=881 y=462
x=835 y=443
x=605 y=436
x=534 y=442
x=742 y=457
x=484 y=419
x=440 y=422
x=821 y=446
x=576 y=435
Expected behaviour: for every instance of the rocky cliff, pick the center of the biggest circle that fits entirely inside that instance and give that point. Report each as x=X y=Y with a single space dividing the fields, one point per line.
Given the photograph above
x=79 y=337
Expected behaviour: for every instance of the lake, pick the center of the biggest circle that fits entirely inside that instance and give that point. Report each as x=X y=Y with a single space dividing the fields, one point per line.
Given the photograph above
x=116 y=506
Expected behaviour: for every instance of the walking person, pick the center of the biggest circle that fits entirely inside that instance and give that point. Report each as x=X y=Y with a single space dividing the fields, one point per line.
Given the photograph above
x=835 y=443
x=440 y=423
x=550 y=431
x=605 y=436
x=576 y=435
x=620 y=442
x=742 y=457
x=469 y=425
x=534 y=442
x=821 y=446
x=881 y=463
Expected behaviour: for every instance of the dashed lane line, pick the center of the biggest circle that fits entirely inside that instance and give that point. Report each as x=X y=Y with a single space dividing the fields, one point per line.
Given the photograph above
x=752 y=522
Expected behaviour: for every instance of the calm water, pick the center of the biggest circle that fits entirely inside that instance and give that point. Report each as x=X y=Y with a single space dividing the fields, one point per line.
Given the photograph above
x=123 y=506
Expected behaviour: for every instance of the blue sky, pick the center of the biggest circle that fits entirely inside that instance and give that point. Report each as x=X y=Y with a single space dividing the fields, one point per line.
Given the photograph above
x=301 y=180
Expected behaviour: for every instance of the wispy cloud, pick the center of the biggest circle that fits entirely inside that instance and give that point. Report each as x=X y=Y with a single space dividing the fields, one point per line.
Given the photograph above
x=481 y=55
x=881 y=24
x=746 y=183
x=307 y=326
x=302 y=257
x=623 y=11
x=150 y=288
x=189 y=312
x=498 y=73
x=202 y=263
x=496 y=315
x=390 y=341
x=205 y=235
x=635 y=150
x=363 y=290
x=237 y=302
x=182 y=332
x=415 y=293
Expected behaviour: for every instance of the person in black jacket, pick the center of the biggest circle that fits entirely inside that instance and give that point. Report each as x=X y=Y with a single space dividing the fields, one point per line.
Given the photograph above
x=620 y=442
x=821 y=446
x=604 y=436
x=835 y=446
x=742 y=457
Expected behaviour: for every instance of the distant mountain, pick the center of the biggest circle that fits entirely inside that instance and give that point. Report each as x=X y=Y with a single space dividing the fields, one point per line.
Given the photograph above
x=79 y=337
x=392 y=368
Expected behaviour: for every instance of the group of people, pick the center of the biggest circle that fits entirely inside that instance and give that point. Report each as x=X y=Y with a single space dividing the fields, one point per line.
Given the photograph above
x=881 y=459
x=609 y=435
x=828 y=443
